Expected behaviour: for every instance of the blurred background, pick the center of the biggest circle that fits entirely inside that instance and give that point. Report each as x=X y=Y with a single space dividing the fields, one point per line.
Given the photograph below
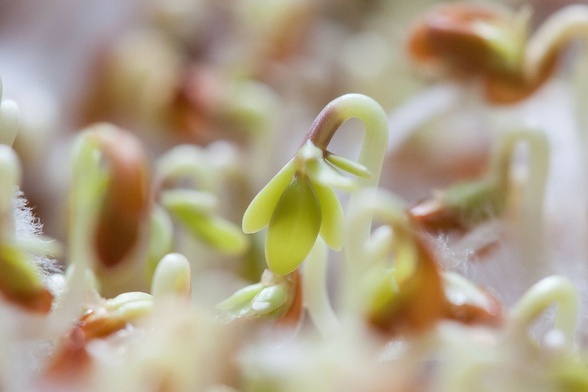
x=194 y=71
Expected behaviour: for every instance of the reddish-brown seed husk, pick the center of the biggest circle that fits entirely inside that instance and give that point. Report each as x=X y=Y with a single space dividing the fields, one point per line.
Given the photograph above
x=126 y=201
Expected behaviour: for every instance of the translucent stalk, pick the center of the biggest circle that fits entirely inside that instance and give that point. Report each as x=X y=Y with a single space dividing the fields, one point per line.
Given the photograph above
x=316 y=296
x=371 y=155
x=85 y=188
x=565 y=25
x=529 y=206
x=553 y=290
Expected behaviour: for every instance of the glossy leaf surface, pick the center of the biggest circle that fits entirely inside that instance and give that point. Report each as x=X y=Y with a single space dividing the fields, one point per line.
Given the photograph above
x=294 y=227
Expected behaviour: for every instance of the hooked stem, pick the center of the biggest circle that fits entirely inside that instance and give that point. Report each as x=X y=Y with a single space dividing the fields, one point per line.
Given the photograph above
x=565 y=25
x=371 y=156
x=557 y=290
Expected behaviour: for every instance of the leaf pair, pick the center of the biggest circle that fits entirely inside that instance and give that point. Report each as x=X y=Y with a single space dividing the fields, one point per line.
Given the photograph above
x=299 y=204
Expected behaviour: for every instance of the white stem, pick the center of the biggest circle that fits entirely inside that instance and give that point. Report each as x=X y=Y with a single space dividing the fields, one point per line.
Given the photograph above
x=371 y=156
x=423 y=108
x=530 y=221
x=315 y=293
x=568 y=23
x=85 y=186
x=532 y=214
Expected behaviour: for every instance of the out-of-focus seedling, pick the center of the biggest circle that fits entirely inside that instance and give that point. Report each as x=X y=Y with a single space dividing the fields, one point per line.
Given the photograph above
x=463 y=205
x=188 y=187
x=274 y=297
x=494 y=46
x=109 y=209
x=400 y=287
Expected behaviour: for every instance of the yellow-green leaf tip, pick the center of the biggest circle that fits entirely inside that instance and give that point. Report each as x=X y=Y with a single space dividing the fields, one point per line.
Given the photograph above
x=260 y=210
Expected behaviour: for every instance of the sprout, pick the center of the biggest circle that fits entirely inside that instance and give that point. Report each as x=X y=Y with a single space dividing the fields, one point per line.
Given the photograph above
x=465 y=204
x=400 y=288
x=126 y=202
x=188 y=188
x=552 y=290
x=275 y=297
x=172 y=277
x=299 y=203
x=119 y=192
x=494 y=46
x=72 y=359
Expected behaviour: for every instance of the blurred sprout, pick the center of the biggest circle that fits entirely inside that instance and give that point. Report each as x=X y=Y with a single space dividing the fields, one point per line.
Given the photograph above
x=463 y=205
x=195 y=212
x=189 y=181
x=274 y=297
x=172 y=277
x=552 y=290
x=402 y=290
x=407 y=296
x=118 y=188
x=114 y=314
x=483 y=39
x=494 y=45
x=72 y=359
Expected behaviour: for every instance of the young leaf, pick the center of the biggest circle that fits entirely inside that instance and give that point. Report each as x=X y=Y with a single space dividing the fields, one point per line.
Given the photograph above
x=213 y=230
x=348 y=165
x=323 y=173
x=221 y=234
x=203 y=202
x=260 y=211
x=333 y=222
x=294 y=227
